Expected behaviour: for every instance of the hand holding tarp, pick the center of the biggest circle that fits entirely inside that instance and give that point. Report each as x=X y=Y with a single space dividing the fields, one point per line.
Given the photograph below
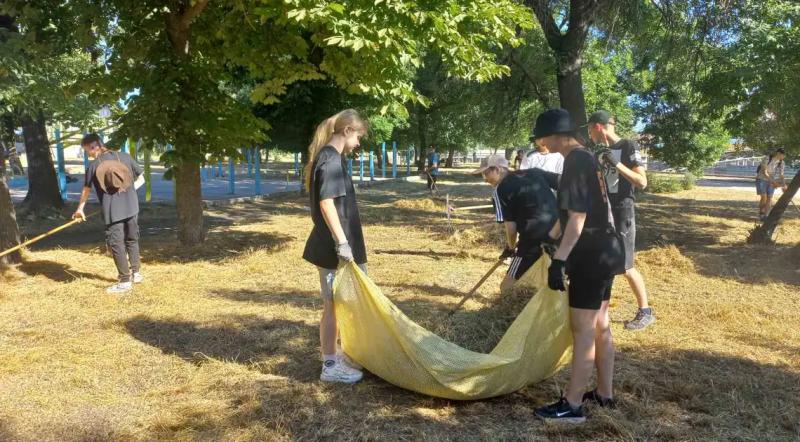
x=556 y=275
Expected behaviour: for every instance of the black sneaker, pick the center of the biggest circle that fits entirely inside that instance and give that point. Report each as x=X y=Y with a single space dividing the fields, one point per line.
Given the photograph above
x=592 y=396
x=561 y=411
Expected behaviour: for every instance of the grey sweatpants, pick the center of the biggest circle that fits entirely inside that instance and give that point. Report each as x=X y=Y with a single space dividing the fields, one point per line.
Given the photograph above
x=122 y=239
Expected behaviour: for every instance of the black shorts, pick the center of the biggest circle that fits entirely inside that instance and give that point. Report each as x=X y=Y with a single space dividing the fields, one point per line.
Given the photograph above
x=625 y=223
x=523 y=261
x=589 y=294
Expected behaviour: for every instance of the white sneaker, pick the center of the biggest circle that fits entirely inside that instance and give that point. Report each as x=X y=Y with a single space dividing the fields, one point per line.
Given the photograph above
x=339 y=372
x=344 y=359
x=137 y=278
x=120 y=287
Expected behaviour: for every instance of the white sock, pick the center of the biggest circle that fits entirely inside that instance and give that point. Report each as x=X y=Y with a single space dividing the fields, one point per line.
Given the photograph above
x=329 y=360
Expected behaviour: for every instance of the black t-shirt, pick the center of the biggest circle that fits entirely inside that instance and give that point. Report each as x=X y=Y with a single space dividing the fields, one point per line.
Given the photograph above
x=120 y=205
x=619 y=188
x=329 y=179
x=525 y=198
x=579 y=190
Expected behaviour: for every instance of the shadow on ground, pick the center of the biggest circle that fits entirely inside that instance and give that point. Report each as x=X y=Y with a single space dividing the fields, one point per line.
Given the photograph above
x=245 y=339
x=57 y=271
x=677 y=407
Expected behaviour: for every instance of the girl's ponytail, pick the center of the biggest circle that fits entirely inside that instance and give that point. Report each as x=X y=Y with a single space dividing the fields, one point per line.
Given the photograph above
x=322 y=135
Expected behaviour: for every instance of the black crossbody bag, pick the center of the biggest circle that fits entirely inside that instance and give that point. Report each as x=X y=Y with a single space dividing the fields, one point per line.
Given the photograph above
x=600 y=251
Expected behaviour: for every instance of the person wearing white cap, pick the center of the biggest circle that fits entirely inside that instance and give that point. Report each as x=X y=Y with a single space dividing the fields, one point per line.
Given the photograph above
x=526 y=206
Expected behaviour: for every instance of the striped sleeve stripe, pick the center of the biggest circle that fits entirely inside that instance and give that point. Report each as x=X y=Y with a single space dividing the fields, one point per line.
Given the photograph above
x=497 y=210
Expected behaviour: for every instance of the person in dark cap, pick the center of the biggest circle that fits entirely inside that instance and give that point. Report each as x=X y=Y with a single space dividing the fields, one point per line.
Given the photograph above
x=586 y=259
x=624 y=172
x=115 y=177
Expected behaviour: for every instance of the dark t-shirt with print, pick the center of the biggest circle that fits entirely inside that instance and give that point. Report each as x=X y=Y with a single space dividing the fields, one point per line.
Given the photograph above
x=525 y=198
x=329 y=180
x=620 y=189
x=120 y=205
x=579 y=190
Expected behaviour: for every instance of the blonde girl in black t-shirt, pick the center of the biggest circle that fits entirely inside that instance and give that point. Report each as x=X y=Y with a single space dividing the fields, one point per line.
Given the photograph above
x=336 y=236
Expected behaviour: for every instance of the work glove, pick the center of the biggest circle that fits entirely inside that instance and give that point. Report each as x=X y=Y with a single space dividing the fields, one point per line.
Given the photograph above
x=344 y=252
x=605 y=156
x=507 y=253
x=556 y=275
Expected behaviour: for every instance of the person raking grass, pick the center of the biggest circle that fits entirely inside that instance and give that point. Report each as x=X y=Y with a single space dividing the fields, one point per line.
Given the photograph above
x=112 y=174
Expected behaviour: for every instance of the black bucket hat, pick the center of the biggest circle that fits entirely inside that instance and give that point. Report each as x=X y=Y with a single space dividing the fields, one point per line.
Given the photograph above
x=553 y=121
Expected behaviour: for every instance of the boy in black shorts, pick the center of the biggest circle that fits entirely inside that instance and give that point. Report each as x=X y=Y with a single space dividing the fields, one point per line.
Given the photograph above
x=526 y=206
x=624 y=171
x=583 y=214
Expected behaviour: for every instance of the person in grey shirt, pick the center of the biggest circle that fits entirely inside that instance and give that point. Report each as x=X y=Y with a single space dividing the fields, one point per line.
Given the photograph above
x=120 y=208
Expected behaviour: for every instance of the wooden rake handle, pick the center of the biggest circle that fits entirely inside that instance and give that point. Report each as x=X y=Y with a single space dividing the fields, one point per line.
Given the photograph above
x=44 y=235
x=477 y=286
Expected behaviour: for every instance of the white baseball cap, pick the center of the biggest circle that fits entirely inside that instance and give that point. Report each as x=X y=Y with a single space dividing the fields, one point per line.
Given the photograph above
x=491 y=161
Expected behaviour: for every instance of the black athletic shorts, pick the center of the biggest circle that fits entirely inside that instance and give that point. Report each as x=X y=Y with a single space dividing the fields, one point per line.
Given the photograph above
x=524 y=260
x=625 y=223
x=589 y=293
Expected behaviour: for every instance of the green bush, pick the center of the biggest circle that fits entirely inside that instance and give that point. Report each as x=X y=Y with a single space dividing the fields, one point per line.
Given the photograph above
x=663 y=183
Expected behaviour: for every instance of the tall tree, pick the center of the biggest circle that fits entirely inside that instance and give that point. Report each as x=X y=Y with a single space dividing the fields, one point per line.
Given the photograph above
x=9 y=230
x=566 y=28
x=41 y=66
x=182 y=58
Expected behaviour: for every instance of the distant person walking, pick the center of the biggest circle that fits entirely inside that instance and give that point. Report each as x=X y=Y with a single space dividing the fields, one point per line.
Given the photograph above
x=115 y=177
x=433 y=168
x=768 y=178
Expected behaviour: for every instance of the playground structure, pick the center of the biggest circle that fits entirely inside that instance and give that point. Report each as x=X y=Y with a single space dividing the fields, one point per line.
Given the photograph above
x=221 y=178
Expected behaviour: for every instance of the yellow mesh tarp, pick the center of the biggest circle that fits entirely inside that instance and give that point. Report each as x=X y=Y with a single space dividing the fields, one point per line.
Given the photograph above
x=377 y=335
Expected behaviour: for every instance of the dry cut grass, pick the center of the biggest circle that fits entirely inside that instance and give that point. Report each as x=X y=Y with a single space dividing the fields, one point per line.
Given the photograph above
x=221 y=342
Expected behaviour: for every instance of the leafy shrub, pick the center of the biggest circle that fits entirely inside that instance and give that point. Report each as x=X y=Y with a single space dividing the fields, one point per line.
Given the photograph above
x=663 y=183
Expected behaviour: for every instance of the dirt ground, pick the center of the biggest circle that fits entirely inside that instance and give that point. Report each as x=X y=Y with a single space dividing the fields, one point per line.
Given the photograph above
x=221 y=341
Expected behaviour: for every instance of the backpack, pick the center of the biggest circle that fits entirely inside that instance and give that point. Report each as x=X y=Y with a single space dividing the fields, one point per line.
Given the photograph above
x=114 y=176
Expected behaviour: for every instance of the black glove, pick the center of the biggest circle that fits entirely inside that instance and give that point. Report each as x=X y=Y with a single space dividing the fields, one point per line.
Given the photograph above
x=605 y=156
x=556 y=275
x=507 y=253
x=344 y=252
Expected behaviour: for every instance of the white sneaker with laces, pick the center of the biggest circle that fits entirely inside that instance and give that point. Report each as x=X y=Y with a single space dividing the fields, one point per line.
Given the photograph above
x=120 y=287
x=339 y=372
x=137 y=278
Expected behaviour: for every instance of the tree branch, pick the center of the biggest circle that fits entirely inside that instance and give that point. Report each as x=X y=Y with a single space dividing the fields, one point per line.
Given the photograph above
x=541 y=9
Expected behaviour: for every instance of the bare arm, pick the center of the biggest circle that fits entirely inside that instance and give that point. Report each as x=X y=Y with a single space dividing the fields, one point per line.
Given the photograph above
x=332 y=220
x=84 y=197
x=636 y=176
x=571 y=234
x=511 y=234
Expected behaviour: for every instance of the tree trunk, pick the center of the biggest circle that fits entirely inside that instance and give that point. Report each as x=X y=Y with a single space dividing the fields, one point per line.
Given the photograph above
x=43 y=191
x=570 y=86
x=9 y=230
x=422 y=135
x=188 y=195
x=451 y=151
x=763 y=233
x=189 y=204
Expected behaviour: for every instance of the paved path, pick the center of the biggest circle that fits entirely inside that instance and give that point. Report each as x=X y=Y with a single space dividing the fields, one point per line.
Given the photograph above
x=162 y=190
